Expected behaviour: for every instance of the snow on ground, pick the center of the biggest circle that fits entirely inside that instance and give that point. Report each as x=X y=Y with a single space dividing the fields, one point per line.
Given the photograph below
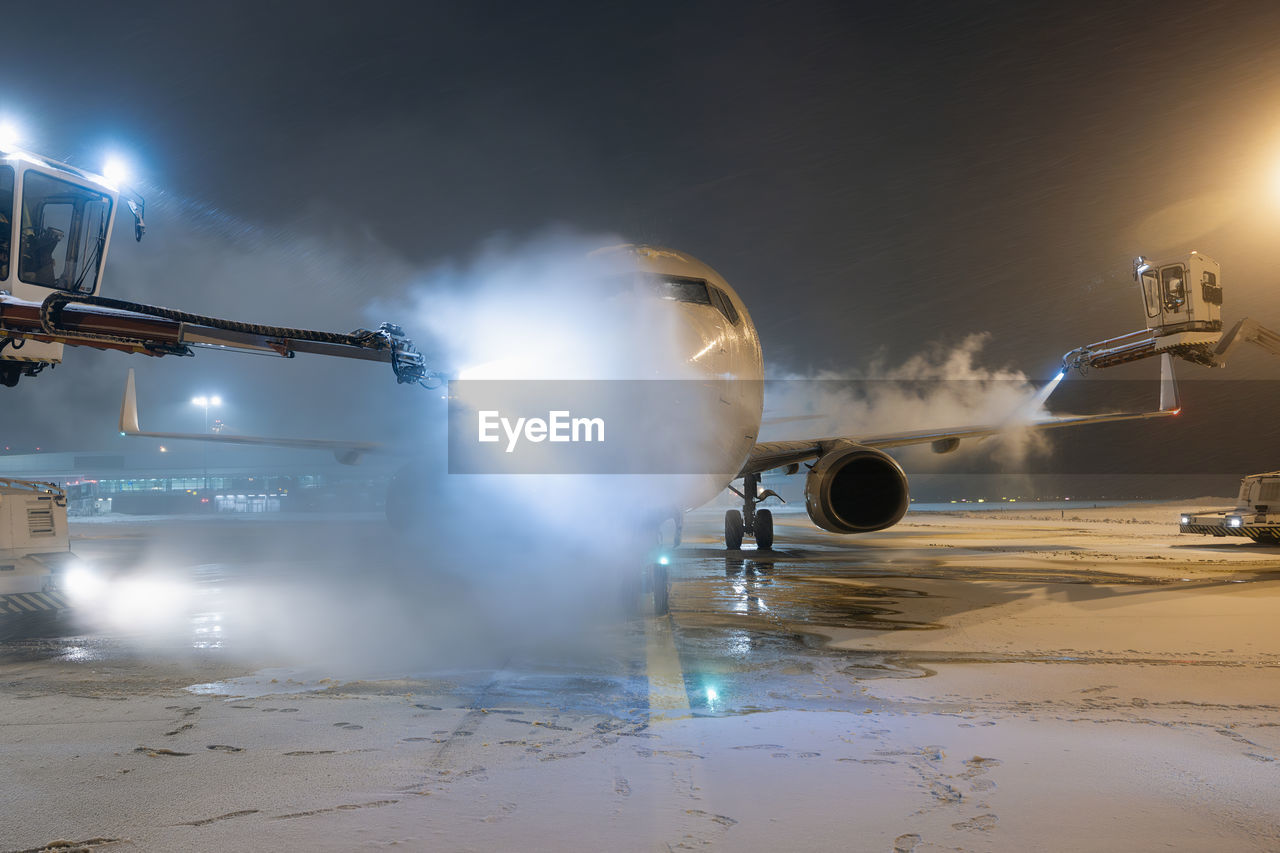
x=971 y=681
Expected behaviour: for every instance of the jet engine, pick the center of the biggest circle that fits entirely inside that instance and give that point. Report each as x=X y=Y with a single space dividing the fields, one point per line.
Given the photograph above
x=856 y=489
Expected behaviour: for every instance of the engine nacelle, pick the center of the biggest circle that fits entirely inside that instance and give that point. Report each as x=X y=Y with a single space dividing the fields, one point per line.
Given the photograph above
x=856 y=489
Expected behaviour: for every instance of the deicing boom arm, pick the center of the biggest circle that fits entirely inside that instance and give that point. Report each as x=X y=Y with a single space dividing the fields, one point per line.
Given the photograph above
x=102 y=323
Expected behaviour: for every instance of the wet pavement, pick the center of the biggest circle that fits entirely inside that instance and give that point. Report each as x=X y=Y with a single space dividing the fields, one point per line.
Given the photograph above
x=450 y=683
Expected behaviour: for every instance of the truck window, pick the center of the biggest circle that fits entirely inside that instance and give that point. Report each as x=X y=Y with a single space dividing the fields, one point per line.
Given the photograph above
x=1172 y=281
x=1151 y=292
x=1209 y=289
x=6 y=218
x=1269 y=493
x=64 y=232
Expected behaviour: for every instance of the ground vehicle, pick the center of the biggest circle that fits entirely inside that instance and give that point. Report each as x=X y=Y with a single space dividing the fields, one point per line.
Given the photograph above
x=1256 y=515
x=1183 y=303
x=35 y=552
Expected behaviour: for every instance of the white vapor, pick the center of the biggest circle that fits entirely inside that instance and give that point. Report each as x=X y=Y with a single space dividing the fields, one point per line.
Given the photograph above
x=939 y=387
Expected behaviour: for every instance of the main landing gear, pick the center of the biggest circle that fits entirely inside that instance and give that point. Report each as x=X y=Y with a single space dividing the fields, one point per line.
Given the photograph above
x=750 y=521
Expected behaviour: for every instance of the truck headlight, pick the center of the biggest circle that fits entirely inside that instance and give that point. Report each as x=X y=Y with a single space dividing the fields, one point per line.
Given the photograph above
x=82 y=583
x=1234 y=521
x=1186 y=519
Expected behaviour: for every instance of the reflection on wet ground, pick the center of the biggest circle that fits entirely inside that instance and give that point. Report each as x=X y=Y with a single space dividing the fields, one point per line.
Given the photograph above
x=779 y=592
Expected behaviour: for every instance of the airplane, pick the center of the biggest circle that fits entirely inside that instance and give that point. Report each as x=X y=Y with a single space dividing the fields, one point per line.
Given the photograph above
x=852 y=485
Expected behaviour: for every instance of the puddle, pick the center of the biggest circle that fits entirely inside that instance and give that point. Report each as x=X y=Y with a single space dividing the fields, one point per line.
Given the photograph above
x=267 y=682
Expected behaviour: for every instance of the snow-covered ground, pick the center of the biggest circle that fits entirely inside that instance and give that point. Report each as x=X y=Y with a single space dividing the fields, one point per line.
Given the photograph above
x=1002 y=680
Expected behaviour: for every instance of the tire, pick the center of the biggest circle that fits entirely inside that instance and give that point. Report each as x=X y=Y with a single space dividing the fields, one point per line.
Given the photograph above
x=661 y=590
x=733 y=530
x=764 y=530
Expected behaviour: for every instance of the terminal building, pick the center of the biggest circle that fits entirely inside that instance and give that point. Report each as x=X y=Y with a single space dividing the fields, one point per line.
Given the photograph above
x=224 y=479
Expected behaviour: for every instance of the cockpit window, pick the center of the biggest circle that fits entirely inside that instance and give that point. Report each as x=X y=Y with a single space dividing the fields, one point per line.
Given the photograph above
x=64 y=231
x=6 y=218
x=677 y=289
x=725 y=304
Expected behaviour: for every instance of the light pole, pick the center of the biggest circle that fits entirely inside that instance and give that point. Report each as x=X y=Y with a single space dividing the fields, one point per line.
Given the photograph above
x=205 y=402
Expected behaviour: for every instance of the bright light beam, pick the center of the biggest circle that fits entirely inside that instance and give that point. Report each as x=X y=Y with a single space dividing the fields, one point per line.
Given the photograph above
x=1043 y=395
x=116 y=170
x=10 y=135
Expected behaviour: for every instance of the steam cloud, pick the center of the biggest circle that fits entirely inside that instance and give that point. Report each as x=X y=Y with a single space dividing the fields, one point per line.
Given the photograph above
x=939 y=387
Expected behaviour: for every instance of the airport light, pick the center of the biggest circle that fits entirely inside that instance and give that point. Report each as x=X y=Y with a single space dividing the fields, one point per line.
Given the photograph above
x=205 y=401
x=116 y=170
x=10 y=136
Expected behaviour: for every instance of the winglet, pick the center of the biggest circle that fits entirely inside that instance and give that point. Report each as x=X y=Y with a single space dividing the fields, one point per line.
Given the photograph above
x=129 y=409
x=1169 y=401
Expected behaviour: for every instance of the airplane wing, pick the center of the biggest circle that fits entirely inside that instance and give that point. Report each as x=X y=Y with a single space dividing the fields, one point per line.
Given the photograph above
x=768 y=455
x=346 y=452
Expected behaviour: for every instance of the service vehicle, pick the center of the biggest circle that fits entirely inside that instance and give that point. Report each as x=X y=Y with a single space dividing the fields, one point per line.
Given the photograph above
x=1182 y=299
x=1256 y=514
x=35 y=550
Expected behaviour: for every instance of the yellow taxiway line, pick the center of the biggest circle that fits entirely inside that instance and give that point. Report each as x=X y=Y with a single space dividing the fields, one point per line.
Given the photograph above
x=668 y=699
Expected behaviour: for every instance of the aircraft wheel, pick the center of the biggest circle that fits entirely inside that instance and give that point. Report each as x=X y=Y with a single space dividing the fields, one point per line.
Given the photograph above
x=764 y=530
x=733 y=530
x=661 y=590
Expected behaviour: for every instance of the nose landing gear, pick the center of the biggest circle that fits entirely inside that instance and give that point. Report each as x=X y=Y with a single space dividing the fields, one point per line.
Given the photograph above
x=750 y=521
x=661 y=584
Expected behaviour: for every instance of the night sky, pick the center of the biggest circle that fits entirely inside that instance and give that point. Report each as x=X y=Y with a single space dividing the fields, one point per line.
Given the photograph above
x=871 y=177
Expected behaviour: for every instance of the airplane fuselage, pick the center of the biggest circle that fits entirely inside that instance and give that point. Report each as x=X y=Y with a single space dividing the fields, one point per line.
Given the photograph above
x=713 y=342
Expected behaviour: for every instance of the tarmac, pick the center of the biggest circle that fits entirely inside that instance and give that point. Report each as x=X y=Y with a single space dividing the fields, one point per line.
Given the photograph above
x=1009 y=680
